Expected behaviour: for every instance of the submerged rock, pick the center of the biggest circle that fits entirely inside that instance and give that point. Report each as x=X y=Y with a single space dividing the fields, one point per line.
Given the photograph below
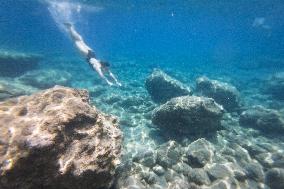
x=275 y=86
x=162 y=87
x=199 y=153
x=223 y=93
x=178 y=184
x=254 y=171
x=198 y=176
x=189 y=115
x=218 y=171
x=55 y=139
x=168 y=154
x=274 y=178
x=44 y=79
x=266 y=120
x=159 y=170
x=146 y=158
x=130 y=182
x=13 y=64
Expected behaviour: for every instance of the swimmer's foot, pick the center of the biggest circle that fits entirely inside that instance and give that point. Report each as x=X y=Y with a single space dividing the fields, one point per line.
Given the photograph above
x=119 y=84
x=109 y=83
x=67 y=24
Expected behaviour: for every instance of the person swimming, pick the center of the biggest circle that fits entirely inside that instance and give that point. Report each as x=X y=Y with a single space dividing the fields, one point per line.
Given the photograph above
x=100 y=67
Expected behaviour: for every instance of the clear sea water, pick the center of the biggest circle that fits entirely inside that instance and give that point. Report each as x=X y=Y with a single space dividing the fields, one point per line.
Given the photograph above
x=235 y=41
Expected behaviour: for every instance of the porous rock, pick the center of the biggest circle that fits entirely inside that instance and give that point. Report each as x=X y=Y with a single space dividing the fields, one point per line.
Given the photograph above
x=44 y=79
x=189 y=115
x=223 y=93
x=263 y=119
x=162 y=87
x=13 y=64
x=55 y=139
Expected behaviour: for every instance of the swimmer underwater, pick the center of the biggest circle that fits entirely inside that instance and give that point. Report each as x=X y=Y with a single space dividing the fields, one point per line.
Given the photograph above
x=100 y=67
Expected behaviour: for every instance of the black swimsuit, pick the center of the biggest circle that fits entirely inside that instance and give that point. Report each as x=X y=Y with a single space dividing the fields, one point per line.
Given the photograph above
x=90 y=55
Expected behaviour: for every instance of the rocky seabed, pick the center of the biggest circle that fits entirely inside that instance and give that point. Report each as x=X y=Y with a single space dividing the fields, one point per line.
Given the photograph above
x=162 y=135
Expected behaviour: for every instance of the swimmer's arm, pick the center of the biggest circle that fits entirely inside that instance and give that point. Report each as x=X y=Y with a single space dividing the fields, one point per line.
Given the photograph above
x=114 y=78
x=98 y=69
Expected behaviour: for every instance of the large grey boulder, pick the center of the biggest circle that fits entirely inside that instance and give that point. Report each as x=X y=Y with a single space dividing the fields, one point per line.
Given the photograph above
x=275 y=86
x=55 y=139
x=162 y=87
x=189 y=115
x=266 y=120
x=223 y=93
x=13 y=64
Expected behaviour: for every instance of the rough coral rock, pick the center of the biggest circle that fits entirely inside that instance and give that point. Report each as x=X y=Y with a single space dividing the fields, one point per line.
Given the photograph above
x=44 y=79
x=13 y=64
x=189 y=115
x=263 y=119
x=162 y=87
x=55 y=139
x=223 y=93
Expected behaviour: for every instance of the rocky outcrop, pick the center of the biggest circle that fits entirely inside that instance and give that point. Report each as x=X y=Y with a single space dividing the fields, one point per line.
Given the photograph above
x=223 y=93
x=162 y=87
x=275 y=86
x=263 y=119
x=13 y=64
x=188 y=115
x=44 y=79
x=55 y=139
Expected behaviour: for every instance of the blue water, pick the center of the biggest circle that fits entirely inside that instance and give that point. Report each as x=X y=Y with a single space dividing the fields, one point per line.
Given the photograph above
x=240 y=42
x=169 y=30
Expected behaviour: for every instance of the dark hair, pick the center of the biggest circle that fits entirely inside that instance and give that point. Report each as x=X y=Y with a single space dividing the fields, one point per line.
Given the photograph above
x=105 y=64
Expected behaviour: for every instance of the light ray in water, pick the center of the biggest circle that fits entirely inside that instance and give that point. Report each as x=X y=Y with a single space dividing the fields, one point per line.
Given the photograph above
x=68 y=11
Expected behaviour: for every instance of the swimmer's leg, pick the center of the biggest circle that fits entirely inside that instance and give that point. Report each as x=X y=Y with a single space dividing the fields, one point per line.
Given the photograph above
x=74 y=34
x=78 y=40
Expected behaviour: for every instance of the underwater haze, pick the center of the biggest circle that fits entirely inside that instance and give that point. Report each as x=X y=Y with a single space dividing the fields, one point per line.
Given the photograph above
x=201 y=101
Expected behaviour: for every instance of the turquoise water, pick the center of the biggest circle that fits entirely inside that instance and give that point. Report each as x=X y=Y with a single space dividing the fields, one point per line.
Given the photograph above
x=237 y=42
